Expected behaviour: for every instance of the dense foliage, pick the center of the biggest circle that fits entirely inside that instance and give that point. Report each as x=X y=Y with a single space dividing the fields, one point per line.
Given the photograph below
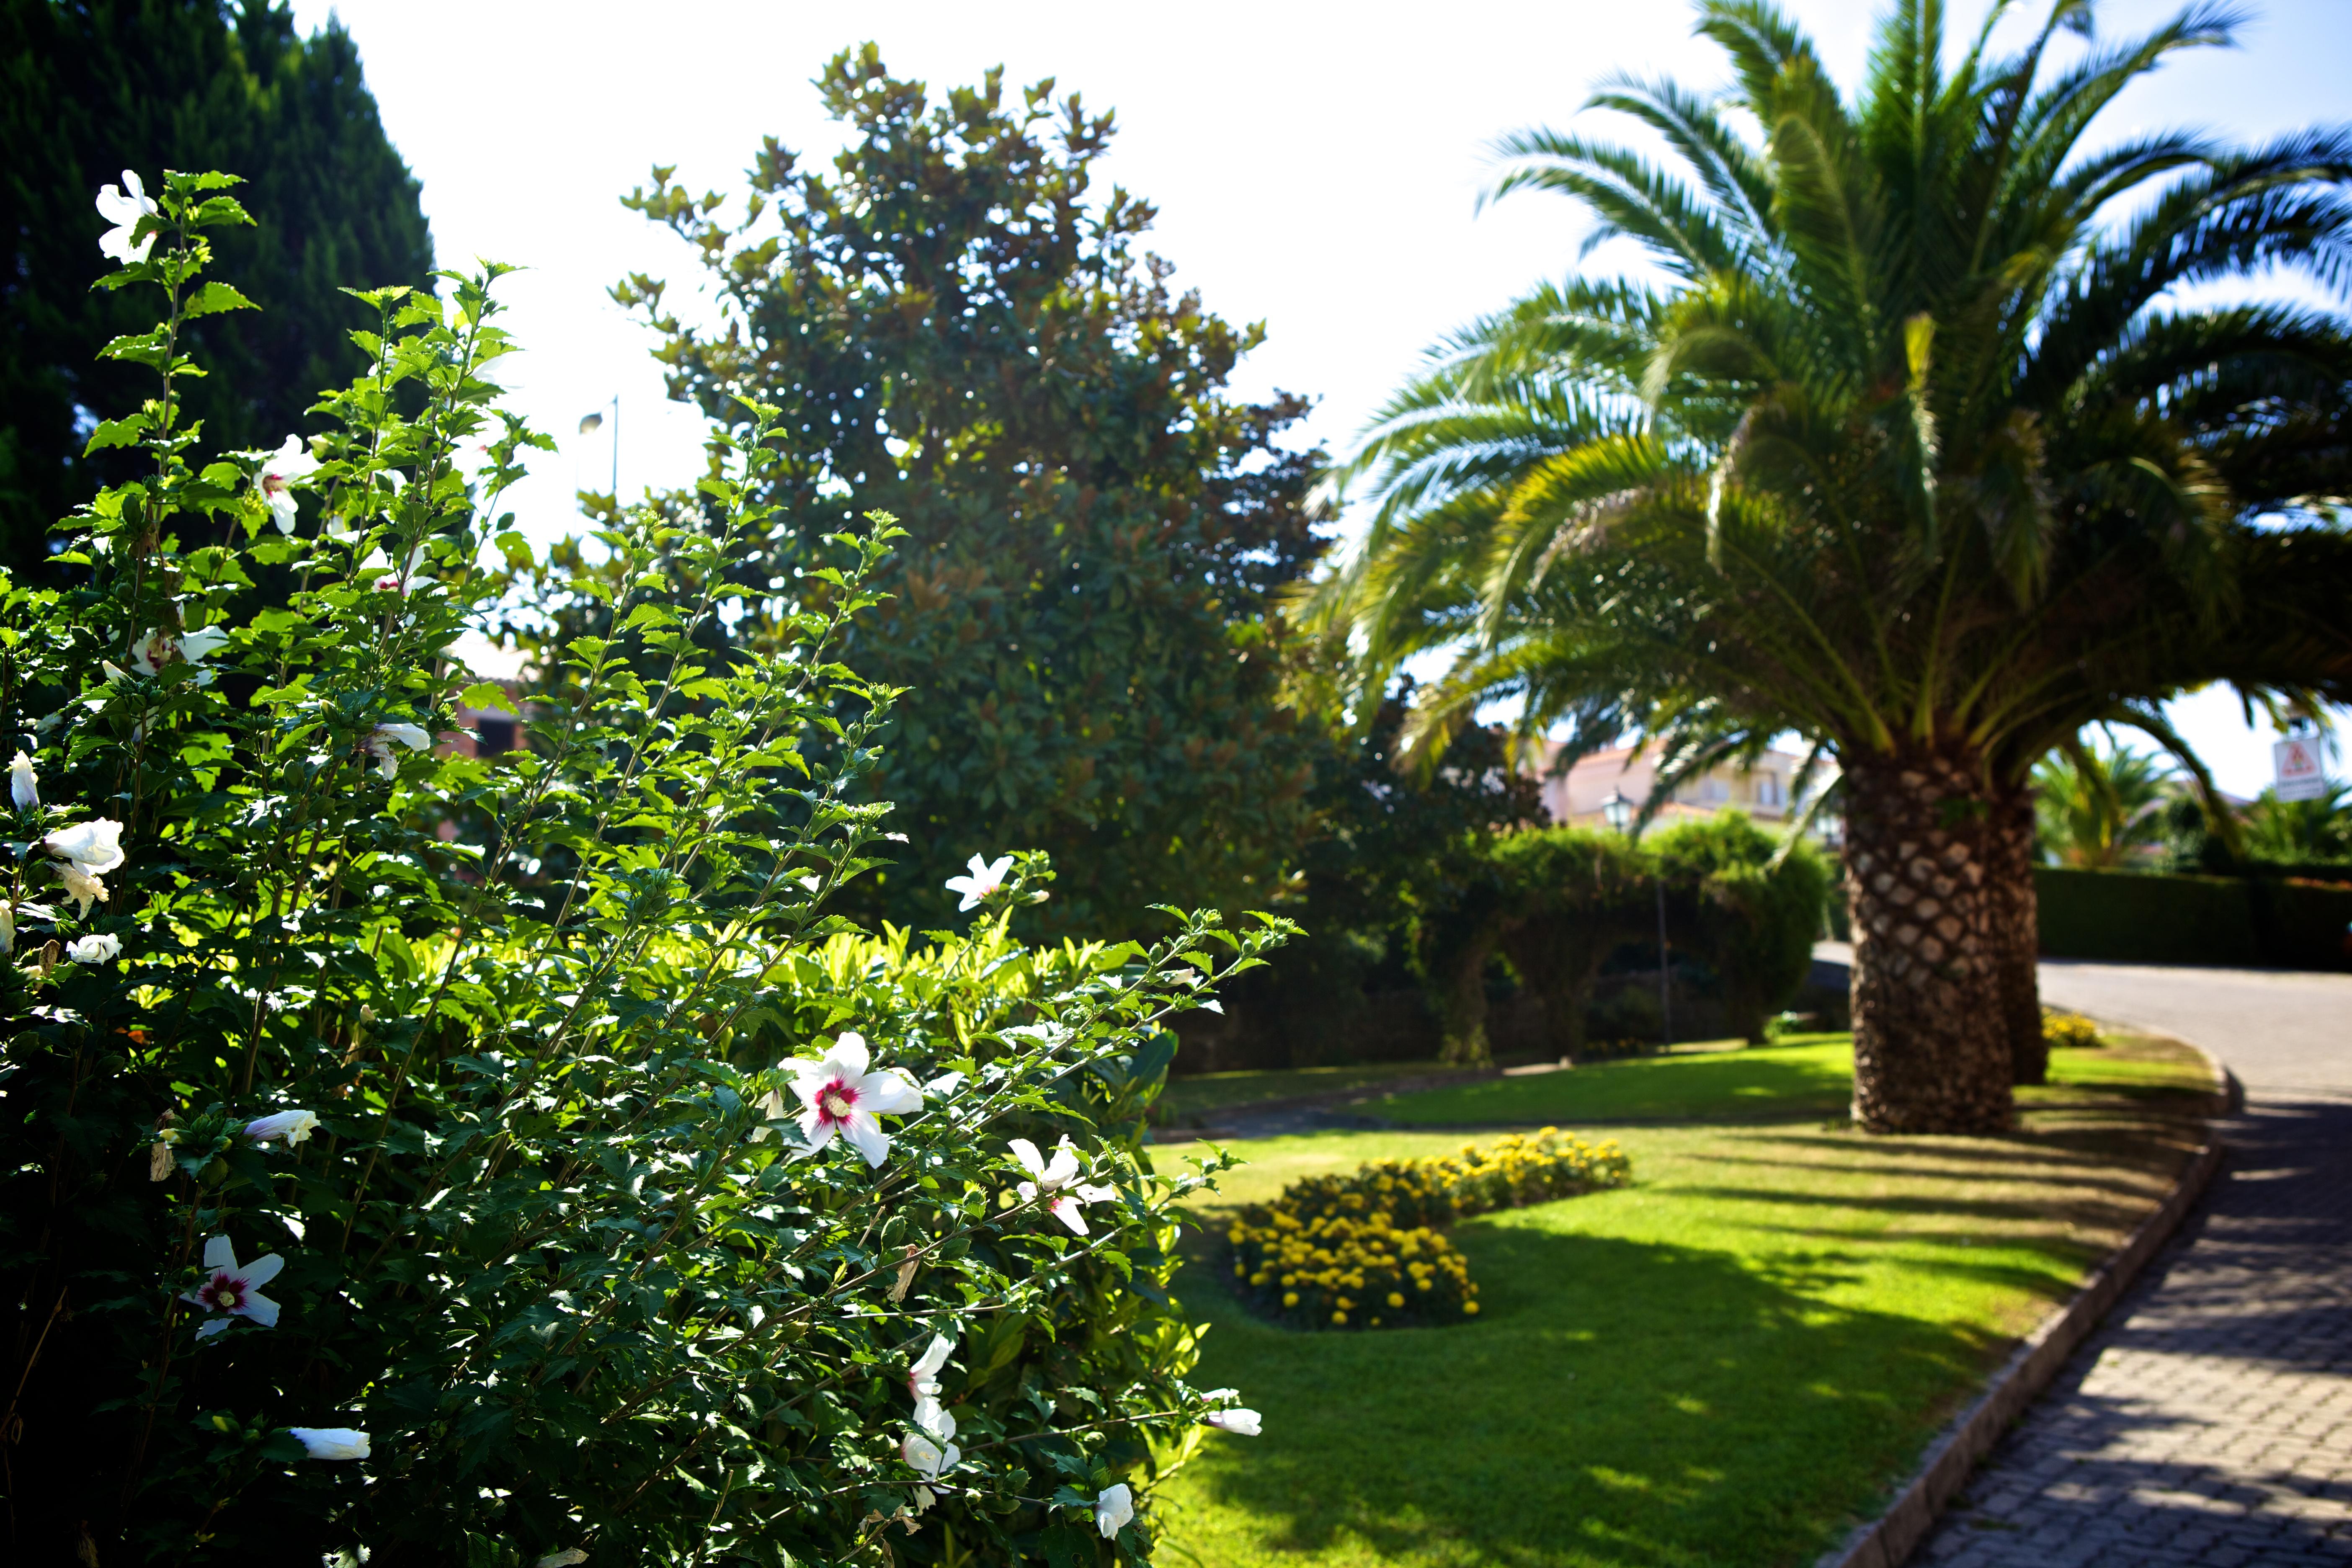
x=1906 y=440
x=1362 y=1250
x=1387 y=839
x=2292 y=832
x=91 y=87
x=1559 y=901
x=954 y=325
x=430 y=1157
x=1750 y=910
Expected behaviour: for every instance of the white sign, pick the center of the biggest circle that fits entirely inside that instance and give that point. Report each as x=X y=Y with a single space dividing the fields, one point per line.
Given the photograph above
x=2299 y=775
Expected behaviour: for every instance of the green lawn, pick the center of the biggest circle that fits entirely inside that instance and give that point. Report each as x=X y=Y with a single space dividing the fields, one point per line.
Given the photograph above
x=1722 y=1364
x=1809 y=1075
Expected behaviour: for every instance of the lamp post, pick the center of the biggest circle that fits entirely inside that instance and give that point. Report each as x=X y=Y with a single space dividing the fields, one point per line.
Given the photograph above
x=591 y=423
x=1618 y=812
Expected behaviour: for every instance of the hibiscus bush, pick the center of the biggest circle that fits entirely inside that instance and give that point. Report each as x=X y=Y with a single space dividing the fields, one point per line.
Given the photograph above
x=419 y=1156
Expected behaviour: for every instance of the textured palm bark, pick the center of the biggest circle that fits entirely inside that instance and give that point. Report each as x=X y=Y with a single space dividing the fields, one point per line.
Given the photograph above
x=1930 y=1045
x=2016 y=914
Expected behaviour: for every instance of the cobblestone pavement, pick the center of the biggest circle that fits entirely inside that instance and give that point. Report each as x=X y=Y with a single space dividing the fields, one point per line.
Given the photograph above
x=2209 y=1420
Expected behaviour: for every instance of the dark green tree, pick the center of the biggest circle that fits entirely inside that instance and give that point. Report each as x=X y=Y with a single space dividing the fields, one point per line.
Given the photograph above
x=959 y=330
x=1387 y=839
x=91 y=88
x=1751 y=906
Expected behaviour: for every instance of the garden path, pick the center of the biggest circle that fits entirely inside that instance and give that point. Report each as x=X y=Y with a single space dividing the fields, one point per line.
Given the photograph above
x=2209 y=1419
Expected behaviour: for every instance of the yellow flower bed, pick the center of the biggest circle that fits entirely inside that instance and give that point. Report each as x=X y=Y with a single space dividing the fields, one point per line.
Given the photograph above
x=1339 y=1271
x=2069 y=1031
x=1362 y=1251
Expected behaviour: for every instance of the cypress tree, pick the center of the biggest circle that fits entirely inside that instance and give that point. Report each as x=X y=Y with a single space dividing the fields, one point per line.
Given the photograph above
x=90 y=88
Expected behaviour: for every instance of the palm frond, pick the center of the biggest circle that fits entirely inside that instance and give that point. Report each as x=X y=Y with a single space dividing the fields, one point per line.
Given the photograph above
x=1631 y=198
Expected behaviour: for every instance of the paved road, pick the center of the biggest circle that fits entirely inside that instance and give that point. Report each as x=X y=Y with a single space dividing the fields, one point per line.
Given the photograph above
x=2209 y=1421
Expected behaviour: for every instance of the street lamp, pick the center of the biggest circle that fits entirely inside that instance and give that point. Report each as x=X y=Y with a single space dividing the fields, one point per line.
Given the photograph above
x=594 y=421
x=1618 y=812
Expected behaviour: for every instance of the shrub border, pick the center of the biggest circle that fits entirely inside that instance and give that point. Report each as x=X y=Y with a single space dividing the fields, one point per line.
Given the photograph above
x=1888 y=1540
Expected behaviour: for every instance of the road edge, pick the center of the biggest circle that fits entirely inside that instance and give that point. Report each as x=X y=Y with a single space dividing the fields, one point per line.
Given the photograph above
x=1888 y=1540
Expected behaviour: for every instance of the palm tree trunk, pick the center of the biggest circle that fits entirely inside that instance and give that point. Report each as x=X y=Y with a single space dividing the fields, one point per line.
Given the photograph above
x=1930 y=1048
x=2017 y=933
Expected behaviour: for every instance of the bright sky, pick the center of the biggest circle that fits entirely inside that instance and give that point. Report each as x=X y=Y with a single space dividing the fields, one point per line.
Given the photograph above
x=1316 y=167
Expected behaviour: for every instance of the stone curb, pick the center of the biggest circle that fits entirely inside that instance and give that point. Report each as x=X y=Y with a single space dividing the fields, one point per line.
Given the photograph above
x=1888 y=1540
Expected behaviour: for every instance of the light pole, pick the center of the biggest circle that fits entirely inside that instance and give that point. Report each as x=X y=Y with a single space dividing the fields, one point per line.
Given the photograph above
x=594 y=420
x=1618 y=812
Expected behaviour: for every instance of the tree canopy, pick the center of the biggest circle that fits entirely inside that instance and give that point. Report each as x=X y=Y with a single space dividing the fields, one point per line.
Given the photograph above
x=88 y=89
x=1906 y=442
x=959 y=329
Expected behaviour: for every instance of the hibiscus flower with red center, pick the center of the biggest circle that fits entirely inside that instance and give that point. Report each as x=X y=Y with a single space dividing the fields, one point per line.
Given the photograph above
x=233 y=1290
x=838 y=1096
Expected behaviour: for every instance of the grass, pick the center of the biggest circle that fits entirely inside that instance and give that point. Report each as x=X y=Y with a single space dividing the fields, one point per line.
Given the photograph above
x=1808 y=1075
x=1722 y=1363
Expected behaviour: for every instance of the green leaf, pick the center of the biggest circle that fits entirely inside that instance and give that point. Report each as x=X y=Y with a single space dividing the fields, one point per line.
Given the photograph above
x=485 y=694
x=123 y=432
x=218 y=210
x=139 y=348
x=214 y=298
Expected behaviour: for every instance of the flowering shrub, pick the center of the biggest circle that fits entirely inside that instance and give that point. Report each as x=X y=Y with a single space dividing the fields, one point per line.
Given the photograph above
x=1362 y=1250
x=2068 y=1031
x=434 y=1158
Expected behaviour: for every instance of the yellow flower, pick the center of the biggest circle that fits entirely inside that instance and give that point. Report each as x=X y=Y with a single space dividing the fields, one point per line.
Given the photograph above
x=1396 y=1298
x=1471 y=1307
x=1338 y=1317
x=1290 y=1297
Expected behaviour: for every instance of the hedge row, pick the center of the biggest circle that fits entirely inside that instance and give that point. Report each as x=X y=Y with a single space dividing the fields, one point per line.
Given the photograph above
x=2253 y=922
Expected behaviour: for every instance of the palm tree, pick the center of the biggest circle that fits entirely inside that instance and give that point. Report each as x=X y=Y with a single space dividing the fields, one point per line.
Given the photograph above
x=2098 y=809
x=2292 y=831
x=1909 y=450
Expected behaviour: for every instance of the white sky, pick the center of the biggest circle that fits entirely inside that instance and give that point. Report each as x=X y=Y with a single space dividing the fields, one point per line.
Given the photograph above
x=1316 y=167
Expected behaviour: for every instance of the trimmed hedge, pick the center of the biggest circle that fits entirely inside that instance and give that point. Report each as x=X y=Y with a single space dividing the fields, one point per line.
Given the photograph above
x=2138 y=918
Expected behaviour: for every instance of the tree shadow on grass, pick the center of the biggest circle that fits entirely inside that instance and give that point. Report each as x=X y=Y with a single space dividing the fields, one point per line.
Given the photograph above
x=2115 y=1212
x=1617 y=1402
x=2078 y=1178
